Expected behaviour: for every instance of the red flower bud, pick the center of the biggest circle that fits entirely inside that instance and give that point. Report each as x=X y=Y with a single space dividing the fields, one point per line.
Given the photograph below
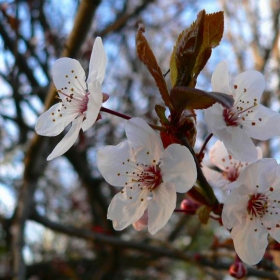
x=237 y=270
x=189 y=206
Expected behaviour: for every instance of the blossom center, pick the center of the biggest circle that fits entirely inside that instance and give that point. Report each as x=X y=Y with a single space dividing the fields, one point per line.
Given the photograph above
x=80 y=103
x=240 y=112
x=142 y=175
x=257 y=205
x=150 y=177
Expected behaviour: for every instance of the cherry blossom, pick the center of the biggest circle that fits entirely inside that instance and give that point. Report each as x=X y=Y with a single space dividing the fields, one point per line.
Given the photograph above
x=80 y=100
x=230 y=168
x=150 y=176
x=252 y=209
x=247 y=118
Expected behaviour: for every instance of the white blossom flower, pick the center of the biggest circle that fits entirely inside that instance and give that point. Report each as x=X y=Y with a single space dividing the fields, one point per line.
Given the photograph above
x=252 y=209
x=80 y=100
x=145 y=170
x=229 y=166
x=247 y=118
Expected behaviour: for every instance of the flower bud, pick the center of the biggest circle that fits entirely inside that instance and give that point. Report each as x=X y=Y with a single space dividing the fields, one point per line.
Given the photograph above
x=237 y=270
x=189 y=206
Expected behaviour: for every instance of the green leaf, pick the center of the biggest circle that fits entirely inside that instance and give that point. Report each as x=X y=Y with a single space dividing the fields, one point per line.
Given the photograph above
x=160 y=110
x=192 y=98
x=203 y=214
x=146 y=55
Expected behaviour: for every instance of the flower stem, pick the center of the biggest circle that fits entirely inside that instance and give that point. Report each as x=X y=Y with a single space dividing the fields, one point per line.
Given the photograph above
x=204 y=145
x=123 y=116
x=115 y=113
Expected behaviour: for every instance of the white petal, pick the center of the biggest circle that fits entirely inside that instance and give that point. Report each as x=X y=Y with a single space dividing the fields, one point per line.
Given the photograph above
x=50 y=123
x=140 y=135
x=240 y=145
x=68 y=140
x=220 y=157
x=254 y=84
x=261 y=123
x=215 y=178
x=69 y=77
x=250 y=241
x=142 y=222
x=93 y=106
x=235 y=206
x=127 y=207
x=178 y=167
x=97 y=64
x=258 y=173
x=214 y=119
x=110 y=161
x=161 y=206
x=220 y=80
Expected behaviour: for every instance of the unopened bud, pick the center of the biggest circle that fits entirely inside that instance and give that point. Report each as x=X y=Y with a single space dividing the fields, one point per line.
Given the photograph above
x=238 y=270
x=189 y=206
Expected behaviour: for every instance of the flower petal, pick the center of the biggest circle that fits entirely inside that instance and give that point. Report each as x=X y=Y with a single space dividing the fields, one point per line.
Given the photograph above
x=178 y=167
x=69 y=77
x=213 y=117
x=258 y=173
x=240 y=145
x=220 y=79
x=215 y=178
x=235 y=205
x=250 y=240
x=220 y=157
x=142 y=222
x=97 y=64
x=68 y=140
x=144 y=140
x=161 y=206
x=127 y=207
x=50 y=123
x=248 y=86
x=93 y=106
x=262 y=123
x=110 y=161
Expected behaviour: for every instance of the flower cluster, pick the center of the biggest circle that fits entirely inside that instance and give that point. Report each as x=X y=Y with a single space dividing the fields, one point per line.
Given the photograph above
x=150 y=175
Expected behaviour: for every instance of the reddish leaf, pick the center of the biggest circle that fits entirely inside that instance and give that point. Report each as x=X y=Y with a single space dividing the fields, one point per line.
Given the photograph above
x=146 y=55
x=194 y=47
x=160 y=110
x=192 y=98
x=212 y=35
x=185 y=52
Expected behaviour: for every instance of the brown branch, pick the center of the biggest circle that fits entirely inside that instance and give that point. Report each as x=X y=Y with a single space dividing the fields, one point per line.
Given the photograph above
x=143 y=247
x=35 y=161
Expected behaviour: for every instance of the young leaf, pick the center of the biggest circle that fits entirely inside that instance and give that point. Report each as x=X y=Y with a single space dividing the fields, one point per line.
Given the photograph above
x=192 y=98
x=185 y=52
x=203 y=214
x=194 y=47
x=146 y=55
x=160 y=110
x=212 y=35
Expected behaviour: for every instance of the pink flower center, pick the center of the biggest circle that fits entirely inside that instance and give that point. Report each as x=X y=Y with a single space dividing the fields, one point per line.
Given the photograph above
x=142 y=175
x=233 y=169
x=257 y=205
x=150 y=177
x=239 y=113
x=80 y=103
